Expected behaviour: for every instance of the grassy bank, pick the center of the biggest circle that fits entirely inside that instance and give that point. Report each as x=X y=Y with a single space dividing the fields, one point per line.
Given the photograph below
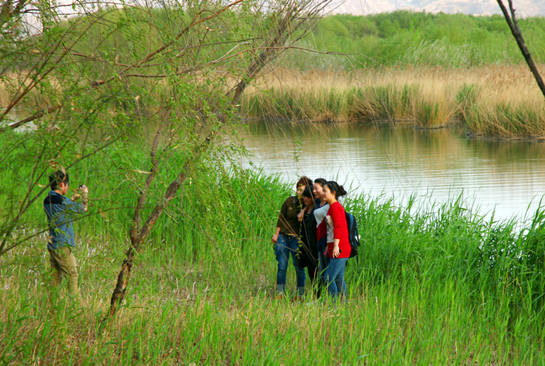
x=433 y=284
x=501 y=101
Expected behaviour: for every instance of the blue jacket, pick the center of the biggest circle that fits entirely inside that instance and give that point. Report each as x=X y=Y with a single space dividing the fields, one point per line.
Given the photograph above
x=60 y=212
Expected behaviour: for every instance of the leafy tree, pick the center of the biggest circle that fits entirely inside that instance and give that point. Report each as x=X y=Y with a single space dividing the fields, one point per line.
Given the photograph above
x=166 y=74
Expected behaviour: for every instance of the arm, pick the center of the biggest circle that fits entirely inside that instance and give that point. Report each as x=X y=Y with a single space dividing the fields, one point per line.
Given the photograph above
x=336 y=251
x=302 y=214
x=84 y=195
x=320 y=214
x=338 y=219
x=275 y=236
x=73 y=207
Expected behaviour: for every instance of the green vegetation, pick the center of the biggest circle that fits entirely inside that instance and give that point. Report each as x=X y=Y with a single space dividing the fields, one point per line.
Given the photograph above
x=433 y=284
x=381 y=103
x=141 y=110
x=500 y=101
x=418 y=38
x=384 y=48
x=413 y=67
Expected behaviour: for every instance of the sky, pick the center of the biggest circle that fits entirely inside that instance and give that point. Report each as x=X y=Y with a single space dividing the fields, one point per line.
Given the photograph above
x=524 y=8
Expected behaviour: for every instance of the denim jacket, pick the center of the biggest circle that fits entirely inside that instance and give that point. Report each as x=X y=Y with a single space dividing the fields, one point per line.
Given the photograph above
x=60 y=212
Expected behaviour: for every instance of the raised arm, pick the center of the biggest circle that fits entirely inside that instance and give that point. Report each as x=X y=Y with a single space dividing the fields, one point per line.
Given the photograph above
x=83 y=194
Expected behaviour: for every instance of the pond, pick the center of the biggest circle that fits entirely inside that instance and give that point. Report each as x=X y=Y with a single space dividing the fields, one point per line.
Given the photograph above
x=505 y=177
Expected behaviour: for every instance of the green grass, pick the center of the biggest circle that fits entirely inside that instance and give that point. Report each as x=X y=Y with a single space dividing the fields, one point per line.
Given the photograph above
x=418 y=38
x=435 y=284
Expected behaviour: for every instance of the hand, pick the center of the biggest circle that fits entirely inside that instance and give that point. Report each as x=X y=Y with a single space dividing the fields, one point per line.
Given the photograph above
x=274 y=238
x=336 y=251
x=85 y=196
x=301 y=215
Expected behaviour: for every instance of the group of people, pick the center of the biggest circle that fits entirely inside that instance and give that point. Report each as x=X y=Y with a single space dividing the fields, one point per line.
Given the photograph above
x=312 y=229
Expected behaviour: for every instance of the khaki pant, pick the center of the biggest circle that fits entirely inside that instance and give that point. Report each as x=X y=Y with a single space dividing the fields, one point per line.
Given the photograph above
x=64 y=263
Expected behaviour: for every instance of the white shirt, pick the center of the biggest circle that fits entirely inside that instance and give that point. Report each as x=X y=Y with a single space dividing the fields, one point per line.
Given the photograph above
x=320 y=214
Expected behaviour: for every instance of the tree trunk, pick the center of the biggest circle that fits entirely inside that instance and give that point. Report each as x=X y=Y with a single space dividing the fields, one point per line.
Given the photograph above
x=294 y=14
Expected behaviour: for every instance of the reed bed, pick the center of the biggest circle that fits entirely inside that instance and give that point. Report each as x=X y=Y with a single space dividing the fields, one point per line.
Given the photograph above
x=434 y=284
x=496 y=100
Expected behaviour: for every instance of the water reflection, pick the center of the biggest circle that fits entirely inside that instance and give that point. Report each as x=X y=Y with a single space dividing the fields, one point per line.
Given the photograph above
x=436 y=164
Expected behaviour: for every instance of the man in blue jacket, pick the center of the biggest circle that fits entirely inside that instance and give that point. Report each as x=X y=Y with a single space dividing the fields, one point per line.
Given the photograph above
x=60 y=212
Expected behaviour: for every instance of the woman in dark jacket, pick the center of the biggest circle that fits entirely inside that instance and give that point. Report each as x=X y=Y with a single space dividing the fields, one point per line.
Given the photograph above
x=286 y=239
x=308 y=252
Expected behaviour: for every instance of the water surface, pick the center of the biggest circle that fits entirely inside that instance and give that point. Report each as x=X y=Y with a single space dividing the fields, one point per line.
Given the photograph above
x=435 y=165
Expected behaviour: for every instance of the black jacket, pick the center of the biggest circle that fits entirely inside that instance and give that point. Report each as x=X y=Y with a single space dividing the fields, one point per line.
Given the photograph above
x=308 y=253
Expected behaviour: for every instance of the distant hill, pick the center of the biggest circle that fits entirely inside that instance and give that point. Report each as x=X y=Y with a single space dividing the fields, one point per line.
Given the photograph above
x=524 y=8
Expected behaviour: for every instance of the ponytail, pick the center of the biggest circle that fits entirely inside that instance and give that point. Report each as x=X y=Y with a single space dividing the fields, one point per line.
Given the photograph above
x=335 y=187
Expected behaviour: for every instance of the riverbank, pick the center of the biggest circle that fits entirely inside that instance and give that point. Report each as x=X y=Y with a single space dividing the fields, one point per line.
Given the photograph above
x=431 y=285
x=496 y=101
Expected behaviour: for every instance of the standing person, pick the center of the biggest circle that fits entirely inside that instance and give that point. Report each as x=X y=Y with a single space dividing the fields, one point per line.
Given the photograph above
x=60 y=212
x=286 y=239
x=338 y=244
x=320 y=213
x=307 y=249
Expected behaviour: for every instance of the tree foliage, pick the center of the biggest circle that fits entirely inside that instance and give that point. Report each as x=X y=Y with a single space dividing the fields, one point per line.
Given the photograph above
x=166 y=76
x=420 y=38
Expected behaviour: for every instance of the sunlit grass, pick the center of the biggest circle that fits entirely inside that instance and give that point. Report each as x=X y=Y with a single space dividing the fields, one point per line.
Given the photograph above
x=502 y=101
x=434 y=284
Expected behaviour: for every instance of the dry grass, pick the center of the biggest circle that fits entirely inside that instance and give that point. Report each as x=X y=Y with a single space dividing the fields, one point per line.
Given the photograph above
x=496 y=100
x=501 y=101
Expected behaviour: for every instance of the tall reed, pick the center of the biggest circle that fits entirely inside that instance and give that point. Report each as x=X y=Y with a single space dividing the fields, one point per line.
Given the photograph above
x=495 y=100
x=433 y=283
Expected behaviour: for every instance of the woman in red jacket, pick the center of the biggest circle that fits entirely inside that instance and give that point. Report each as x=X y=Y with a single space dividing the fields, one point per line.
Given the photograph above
x=338 y=244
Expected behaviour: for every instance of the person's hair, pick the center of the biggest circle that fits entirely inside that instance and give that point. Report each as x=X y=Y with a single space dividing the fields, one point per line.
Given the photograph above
x=320 y=181
x=335 y=187
x=308 y=193
x=304 y=181
x=56 y=178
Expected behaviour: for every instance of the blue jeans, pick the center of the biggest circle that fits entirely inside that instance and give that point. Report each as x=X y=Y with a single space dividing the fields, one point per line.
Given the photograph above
x=334 y=277
x=285 y=246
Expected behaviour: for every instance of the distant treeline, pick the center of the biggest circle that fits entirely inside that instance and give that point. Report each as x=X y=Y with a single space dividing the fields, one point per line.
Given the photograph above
x=420 y=38
x=399 y=38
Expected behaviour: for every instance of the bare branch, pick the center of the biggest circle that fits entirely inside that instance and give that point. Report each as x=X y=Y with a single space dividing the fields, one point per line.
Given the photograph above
x=151 y=56
x=34 y=117
x=36 y=73
x=291 y=19
x=143 y=193
x=515 y=30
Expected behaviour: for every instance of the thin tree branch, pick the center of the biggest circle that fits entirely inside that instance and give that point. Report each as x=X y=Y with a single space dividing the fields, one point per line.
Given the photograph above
x=34 y=117
x=515 y=30
x=143 y=193
x=151 y=56
x=291 y=21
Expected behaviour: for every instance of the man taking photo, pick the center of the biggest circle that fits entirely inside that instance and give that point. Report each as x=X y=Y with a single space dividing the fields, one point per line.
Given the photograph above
x=60 y=212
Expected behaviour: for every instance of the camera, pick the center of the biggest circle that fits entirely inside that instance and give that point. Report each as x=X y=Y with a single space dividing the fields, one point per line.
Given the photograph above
x=80 y=186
